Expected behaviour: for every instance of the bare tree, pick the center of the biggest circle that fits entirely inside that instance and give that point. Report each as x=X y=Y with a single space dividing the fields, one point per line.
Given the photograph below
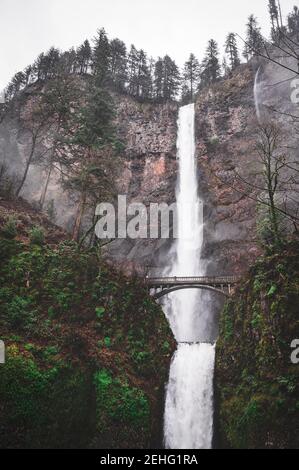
x=274 y=184
x=36 y=121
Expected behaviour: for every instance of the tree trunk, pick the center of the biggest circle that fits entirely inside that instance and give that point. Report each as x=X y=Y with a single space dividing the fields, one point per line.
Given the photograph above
x=45 y=190
x=80 y=212
x=28 y=163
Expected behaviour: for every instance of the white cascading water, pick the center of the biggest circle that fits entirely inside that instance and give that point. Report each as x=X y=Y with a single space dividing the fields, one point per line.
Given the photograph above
x=188 y=421
x=256 y=95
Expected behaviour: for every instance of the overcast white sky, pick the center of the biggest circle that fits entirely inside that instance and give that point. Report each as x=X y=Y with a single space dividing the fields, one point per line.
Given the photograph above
x=176 y=27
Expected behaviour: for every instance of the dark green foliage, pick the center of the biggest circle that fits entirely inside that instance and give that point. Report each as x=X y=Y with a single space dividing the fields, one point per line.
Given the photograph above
x=94 y=120
x=191 y=76
x=254 y=40
x=37 y=236
x=118 y=64
x=231 y=49
x=83 y=58
x=210 y=67
x=293 y=22
x=257 y=384
x=44 y=407
x=101 y=57
x=167 y=79
x=274 y=17
x=9 y=230
x=122 y=407
x=65 y=319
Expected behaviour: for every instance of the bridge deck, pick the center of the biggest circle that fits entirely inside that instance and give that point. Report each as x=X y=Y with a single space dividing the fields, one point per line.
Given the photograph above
x=201 y=280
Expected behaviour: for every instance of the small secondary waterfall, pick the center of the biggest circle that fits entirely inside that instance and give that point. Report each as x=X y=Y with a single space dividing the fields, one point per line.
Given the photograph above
x=188 y=421
x=256 y=97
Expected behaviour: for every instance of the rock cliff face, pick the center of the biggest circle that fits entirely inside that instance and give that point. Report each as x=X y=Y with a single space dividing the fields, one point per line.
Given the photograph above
x=226 y=131
x=149 y=170
x=225 y=127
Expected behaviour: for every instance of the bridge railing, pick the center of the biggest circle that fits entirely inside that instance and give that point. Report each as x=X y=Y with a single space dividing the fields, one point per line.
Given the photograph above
x=213 y=280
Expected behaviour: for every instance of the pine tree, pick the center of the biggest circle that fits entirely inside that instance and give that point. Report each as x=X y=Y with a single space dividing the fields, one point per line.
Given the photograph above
x=167 y=79
x=118 y=64
x=274 y=13
x=68 y=63
x=61 y=98
x=17 y=83
x=158 y=79
x=151 y=66
x=87 y=171
x=225 y=68
x=293 y=22
x=231 y=49
x=28 y=74
x=191 y=74
x=52 y=61
x=210 y=67
x=47 y=65
x=171 y=79
x=83 y=58
x=274 y=17
x=140 y=79
x=254 y=39
x=132 y=71
x=101 y=57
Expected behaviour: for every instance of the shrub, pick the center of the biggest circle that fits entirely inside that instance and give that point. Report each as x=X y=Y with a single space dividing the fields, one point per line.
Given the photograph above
x=10 y=229
x=37 y=236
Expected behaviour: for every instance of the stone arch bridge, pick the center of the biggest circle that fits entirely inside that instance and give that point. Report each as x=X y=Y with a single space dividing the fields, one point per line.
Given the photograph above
x=161 y=286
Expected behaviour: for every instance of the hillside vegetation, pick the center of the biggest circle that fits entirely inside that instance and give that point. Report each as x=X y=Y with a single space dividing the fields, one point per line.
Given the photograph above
x=87 y=350
x=257 y=384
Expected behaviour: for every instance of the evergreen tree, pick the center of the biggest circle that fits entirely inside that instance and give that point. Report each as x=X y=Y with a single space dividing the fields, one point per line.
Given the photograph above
x=68 y=63
x=140 y=79
x=210 y=67
x=83 y=58
x=293 y=22
x=231 y=49
x=118 y=64
x=88 y=169
x=52 y=62
x=171 y=79
x=158 y=79
x=101 y=57
x=274 y=17
x=61 y=100
x=254 y=40
x=28 y=74
x=17 y=83
x=39 y=67
x=47 y=65
x=225 y=68
x=132 y=70
x=151 y=66
x=144 y=77
x=274 y=14
x=191 y=75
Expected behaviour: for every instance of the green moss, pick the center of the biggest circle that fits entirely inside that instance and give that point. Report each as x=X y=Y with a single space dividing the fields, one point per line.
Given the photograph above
x=66 y=318
x=257 y=384
x=121 y=409
x=43 y=408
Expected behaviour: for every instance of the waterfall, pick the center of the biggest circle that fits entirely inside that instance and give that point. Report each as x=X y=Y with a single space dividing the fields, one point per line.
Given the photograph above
x=256 y=95
x=188 y=421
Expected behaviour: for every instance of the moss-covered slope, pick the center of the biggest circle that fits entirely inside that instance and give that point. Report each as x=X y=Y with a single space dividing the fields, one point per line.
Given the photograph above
x=257 y=384
x=87 y=350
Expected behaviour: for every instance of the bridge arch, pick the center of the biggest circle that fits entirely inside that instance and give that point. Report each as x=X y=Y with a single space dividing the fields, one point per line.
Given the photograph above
x=169 y=290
